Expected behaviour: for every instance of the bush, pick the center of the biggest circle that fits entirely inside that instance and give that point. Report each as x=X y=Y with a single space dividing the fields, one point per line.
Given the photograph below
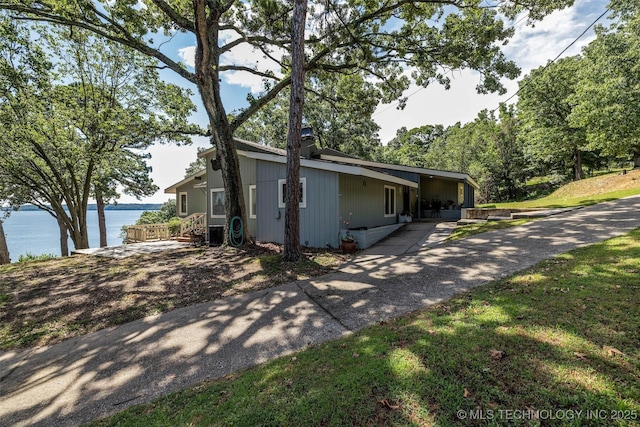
x=29 y=257
x=174 y=225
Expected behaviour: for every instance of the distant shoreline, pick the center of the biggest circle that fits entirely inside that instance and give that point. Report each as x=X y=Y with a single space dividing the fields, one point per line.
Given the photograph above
x=118 y=207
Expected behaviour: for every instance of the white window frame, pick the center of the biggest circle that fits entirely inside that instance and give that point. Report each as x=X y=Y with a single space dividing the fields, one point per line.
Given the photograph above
x=393 y=201
x=216 y=190
x=253 y=213
x=183 y=208
x=303 y=196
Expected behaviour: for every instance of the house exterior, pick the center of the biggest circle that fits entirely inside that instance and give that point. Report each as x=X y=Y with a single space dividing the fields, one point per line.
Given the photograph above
x=337 y=192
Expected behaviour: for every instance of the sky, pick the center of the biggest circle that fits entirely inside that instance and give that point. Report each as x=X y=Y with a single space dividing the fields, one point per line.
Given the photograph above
x=529 y=48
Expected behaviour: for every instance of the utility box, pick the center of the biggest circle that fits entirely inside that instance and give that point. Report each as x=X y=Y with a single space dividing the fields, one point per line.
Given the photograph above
x=216 y=235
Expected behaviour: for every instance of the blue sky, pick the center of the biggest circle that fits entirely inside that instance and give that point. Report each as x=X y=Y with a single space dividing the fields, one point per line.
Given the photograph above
x=531 y=47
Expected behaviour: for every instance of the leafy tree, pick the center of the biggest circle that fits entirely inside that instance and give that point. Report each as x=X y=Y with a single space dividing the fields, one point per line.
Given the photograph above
x=337 y=107
x=197 y=165
x=166 y=212
x=410 y=147
x=608 y=96
x=378 y=39
x=505 y=169
x=545 y=102
x=65 y=142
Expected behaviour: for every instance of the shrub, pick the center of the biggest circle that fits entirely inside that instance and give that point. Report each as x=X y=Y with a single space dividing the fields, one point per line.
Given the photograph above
x=29 y=257
x=174 y=226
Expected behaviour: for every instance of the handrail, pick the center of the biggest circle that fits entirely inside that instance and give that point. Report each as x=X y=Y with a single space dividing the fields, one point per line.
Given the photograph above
x=192 y=223
x=147 y=232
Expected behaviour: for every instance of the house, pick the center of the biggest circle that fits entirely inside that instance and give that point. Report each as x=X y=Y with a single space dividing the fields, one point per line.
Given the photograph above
x=337 y=192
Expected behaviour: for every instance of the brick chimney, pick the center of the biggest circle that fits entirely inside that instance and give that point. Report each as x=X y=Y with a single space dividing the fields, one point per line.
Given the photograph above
x=307 y=142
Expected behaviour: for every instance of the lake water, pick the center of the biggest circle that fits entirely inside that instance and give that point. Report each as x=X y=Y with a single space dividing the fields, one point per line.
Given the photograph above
x=36 y=232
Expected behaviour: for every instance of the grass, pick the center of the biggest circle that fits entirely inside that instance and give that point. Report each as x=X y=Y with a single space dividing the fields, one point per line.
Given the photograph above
x=586 y=192
x=559 y=338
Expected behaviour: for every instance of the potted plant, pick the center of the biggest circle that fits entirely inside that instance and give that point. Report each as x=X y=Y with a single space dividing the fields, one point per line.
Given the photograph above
x=348 y=243
x=347 y=240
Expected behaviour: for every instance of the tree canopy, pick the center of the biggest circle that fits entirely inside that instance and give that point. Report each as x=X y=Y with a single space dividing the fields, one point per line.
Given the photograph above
x=77 y=126
x=389 y=42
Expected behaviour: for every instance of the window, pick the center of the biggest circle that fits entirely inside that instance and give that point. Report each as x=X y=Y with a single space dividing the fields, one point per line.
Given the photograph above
x=282 y=192
x=183 y=203
x=217 y=203
x=252 y=202
x=389 y=201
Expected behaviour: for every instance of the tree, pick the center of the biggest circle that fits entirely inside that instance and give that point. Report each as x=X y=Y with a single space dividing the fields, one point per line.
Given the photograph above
x=502 y=157
x=378 y=39
x=65 y=142
x=337 y=107
x=410 y=147
x=291 y=250
x=4 y=250
x=608 y=96
x=545 y=102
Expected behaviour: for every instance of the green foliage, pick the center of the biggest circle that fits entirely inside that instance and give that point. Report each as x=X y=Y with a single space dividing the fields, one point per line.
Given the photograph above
x=607 y=99
x=338 y=109
x=78 y=127
x=167 y=212
x=174 y=225
x=544 y=105
x=29 y=257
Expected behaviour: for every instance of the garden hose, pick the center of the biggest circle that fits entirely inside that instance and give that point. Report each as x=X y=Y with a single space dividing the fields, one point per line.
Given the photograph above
x=236 y=236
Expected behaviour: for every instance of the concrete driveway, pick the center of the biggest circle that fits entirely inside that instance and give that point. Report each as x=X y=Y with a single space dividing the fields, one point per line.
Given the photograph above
x=101 y=373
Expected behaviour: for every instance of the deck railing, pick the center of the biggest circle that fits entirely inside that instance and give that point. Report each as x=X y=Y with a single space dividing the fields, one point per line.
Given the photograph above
x=147 y=232
x=194 y=223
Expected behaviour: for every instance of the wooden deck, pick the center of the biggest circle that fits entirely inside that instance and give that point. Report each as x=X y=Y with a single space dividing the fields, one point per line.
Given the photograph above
x=192 y=229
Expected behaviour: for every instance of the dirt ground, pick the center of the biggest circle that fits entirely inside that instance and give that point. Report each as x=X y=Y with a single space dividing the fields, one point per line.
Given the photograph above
x=45 y=302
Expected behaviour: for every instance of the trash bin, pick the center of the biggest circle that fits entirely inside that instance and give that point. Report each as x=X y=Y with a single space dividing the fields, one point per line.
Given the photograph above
x=216 y=235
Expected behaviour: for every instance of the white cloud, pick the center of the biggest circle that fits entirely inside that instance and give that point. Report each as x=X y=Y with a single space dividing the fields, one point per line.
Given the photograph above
x=531 y=47
x=436 y=105
x=243 y=55
x=188 y=55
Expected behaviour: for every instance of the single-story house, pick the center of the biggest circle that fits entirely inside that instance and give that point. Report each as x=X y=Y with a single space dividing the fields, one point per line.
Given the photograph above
x=337 y=192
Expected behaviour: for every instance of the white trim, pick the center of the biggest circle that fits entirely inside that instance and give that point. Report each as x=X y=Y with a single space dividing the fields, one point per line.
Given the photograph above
x=333 y=167
x=394 y=201
x=422 y=171
x=174 y=187
x=281 y=195
x=183 y=209
x=216 y=190
x=252 y=213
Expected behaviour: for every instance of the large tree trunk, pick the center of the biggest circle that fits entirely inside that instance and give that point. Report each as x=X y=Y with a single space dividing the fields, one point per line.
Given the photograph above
x=296 y=103
x=102 y=224
x=578 y=174
x=64 y=237
x=4 y=250
x=636 y=158
x=207 y=61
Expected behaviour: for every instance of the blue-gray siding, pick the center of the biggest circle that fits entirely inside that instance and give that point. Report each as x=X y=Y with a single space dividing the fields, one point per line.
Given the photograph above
x=319 y=221
x=214 y=180
x=362 y=200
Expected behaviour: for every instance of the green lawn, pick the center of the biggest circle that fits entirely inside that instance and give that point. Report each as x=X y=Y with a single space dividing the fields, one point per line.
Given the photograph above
x=563 y=201
x=585 y=192
x=558 y=344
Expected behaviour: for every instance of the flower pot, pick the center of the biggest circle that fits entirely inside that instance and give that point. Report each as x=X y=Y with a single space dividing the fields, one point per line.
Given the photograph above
x=348 y=246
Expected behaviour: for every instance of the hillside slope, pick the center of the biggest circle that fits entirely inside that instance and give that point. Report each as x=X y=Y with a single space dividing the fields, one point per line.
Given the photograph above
x=586 y=191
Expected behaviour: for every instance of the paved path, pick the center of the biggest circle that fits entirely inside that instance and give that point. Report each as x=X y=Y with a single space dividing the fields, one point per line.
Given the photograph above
x=101 y=373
